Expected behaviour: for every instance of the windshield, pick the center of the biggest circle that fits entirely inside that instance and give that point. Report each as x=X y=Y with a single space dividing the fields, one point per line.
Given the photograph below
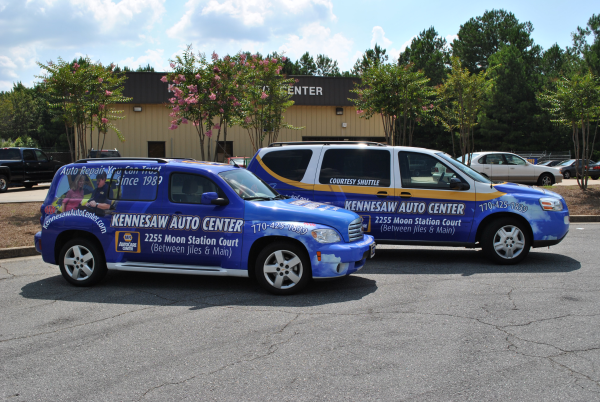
x=565 y=163
x=465 y=169
x=248 y=186
x=465 y=158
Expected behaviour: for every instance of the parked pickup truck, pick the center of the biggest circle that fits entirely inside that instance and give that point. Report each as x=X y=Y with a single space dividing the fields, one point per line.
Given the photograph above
x=26 y=167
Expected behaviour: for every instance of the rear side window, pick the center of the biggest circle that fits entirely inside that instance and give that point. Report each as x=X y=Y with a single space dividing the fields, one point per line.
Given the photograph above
x=134 y=184
x=356 y=167
x=289 y=164
x=10 y=155
x=28 y=155
x=188 y=188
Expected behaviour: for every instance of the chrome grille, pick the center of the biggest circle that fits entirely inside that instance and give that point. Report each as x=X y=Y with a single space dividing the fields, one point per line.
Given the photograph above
x=355 y=230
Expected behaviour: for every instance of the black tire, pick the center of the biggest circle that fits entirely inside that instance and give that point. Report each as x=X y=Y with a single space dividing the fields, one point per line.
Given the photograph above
x=545 y=179
x=3 y=183
x=283 y=279
x=81 y=262
x=594 y=178
x=28 y=185
x=567 y=175
x=503 y=237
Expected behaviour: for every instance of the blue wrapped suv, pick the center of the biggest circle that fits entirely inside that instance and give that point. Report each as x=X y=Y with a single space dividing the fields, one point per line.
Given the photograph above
x=190 y=217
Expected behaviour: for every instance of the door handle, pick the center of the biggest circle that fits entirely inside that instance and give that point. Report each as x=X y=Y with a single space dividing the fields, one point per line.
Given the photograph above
x=382 y=194
x=405 y=194
x=513 y=168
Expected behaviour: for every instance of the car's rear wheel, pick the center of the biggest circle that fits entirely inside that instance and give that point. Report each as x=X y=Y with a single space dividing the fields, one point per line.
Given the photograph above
x=594 y=177
x=506 y=241
x=28 y=185
x=545 y=180
x=81 y=263
x=3 y=183
x=567 y=175
x=283 y=268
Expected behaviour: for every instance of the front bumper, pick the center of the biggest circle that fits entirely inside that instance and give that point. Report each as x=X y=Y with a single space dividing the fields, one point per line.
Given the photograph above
x=341 y=259
x=37 y=240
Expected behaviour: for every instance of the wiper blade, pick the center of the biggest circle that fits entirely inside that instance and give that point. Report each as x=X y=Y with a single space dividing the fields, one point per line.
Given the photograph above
x=258 y=198
x=281 y=197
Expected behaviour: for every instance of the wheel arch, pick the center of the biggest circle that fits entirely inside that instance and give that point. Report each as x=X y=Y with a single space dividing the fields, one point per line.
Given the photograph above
x=67 y=235
x=552 y=177
x=261 y=243
x=492 y=217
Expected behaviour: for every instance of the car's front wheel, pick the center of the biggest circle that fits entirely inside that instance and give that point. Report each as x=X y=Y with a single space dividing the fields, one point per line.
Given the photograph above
x=594 y=177
x=283 y=268
x=545 y=180
x=567 y=175
x=81 y=263
x=506 y=241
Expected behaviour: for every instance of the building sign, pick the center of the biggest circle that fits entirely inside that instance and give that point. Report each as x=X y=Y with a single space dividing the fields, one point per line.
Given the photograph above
x=304 y=90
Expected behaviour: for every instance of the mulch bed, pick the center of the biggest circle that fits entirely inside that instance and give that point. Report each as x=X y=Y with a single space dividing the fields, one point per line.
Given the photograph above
x=18 y=224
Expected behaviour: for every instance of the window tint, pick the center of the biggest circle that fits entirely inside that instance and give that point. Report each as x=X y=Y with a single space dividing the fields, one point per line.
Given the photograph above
x=424 y=171
x=10 y=155
x=188 y=188
x=28 y=155
x=514 y=160
x=134 y=185
x=290 y=164
x=357 y=167
x=41 y=157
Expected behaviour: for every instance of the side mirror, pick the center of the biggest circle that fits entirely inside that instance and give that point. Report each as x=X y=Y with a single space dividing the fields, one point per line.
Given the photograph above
x=456 y=184
x=211 y=198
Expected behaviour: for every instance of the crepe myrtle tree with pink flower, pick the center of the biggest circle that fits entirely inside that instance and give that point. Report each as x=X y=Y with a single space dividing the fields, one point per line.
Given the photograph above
x=265 y=99
x=83 y=95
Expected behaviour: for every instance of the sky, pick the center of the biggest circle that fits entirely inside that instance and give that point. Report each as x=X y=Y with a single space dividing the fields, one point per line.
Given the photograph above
x=137 y=32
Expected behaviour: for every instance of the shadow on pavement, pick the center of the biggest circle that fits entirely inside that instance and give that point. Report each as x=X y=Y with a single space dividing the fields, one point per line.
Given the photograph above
x=461 y=261
x=44 y=186
x=197 y=292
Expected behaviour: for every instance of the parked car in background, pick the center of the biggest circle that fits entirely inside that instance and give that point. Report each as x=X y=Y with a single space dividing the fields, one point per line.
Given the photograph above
x=549 y=163
x=25 y=167
x=241 y=161
x=504 y=166
x=104 y=153
x=594 y=171
x=569 y=168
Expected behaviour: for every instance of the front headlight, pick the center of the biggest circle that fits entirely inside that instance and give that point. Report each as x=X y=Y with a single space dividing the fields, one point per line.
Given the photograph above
x=325 y=235
x=551 y=204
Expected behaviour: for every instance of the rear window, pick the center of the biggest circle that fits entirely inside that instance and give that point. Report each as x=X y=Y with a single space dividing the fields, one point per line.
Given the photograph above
x=10 y=155
x=134 y=184
x=356 y=167
x=290 y=164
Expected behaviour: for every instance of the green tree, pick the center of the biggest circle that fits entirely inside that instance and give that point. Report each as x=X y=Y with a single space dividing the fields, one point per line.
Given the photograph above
x=430 y=53
x=589 y=53
x=306 y=65
x=327 y=67
x=370 y=58
x=576 y=104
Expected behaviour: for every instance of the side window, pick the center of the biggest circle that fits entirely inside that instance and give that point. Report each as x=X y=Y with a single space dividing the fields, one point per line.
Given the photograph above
x=357 y=167
x=10 y=155
x=188 y=188
x=482 y=160
x=495 y=159
x=290 y=164
x=424 y=171
x=134 y=185
x=514 y=160
x=41 y=157
x=28 y=155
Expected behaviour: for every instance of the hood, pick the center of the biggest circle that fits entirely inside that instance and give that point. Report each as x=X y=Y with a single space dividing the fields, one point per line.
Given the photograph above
x=514 y=188
x=292 y=210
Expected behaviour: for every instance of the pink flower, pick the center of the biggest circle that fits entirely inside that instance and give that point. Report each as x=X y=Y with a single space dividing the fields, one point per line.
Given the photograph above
x=193 y=89
x=243 y=57
x=100 y=79
x=226 y=58
x=108 y=93
x=172 y=65
x=172 y=114
x=76 y=66
x=359 y=111
x=196 y=123
x=215 y=56
x=221 y=110
x=209 y=133
x=217 y=126
x=424 y=107
x=198 y=76
x=247 y=119
x=170 y=87
x=236 y=103
x=283 y=58
x=101 y=107
x=184 y=121
x=278 y=69
x=164 y=78
x=216 y=69
x=217 y=77
x=181 y=78
x=212 y=96
x=94 y=115
x=181 y=102
x=173 y=126
x=252 y=67
x=264 y=96
x=104 y=120
x=176 y=109
x=431 y=106
x=274 y=60
x=172 y=100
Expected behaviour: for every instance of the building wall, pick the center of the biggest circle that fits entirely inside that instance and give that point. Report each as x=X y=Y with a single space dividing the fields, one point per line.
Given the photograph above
x=151 y=124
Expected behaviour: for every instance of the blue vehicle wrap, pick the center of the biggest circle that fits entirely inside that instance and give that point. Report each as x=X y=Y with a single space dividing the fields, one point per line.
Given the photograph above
x=400 y=214
x=151 y=216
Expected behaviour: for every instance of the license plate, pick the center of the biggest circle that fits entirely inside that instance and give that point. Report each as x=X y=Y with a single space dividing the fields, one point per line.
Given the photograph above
x=373 y=250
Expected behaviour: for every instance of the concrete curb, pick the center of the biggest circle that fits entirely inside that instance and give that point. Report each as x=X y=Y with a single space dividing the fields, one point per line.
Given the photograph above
x=585 y=218
x=15 y=252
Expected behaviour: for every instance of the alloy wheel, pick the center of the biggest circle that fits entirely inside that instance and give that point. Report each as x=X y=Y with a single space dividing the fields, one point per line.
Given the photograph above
x=509 y=242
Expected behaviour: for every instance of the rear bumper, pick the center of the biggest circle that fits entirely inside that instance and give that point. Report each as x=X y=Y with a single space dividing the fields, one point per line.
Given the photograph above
x=341 y=259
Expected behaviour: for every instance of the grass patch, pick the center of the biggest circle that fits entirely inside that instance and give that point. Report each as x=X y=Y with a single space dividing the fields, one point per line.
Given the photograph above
x=18 y=224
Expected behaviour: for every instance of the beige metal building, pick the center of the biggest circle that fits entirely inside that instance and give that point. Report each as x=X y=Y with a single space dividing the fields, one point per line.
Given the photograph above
x=321 y=107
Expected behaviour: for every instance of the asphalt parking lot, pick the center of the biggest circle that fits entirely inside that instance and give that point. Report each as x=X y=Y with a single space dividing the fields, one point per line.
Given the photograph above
x=424 y=324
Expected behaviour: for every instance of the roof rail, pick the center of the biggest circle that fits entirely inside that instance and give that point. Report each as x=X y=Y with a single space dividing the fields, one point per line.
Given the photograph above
x=159 y=160
x=368 y=143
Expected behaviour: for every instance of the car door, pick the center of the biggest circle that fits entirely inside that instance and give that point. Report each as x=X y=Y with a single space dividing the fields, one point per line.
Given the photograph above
x=519 y=171
x=45 y=166
x=428 y=210
x=211 y=235
x=498 y=167
x=31 y=166
x=360 y=179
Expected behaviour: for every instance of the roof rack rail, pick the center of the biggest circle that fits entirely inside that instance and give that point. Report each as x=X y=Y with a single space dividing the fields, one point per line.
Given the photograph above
x=368 y=143
x=159 y=160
